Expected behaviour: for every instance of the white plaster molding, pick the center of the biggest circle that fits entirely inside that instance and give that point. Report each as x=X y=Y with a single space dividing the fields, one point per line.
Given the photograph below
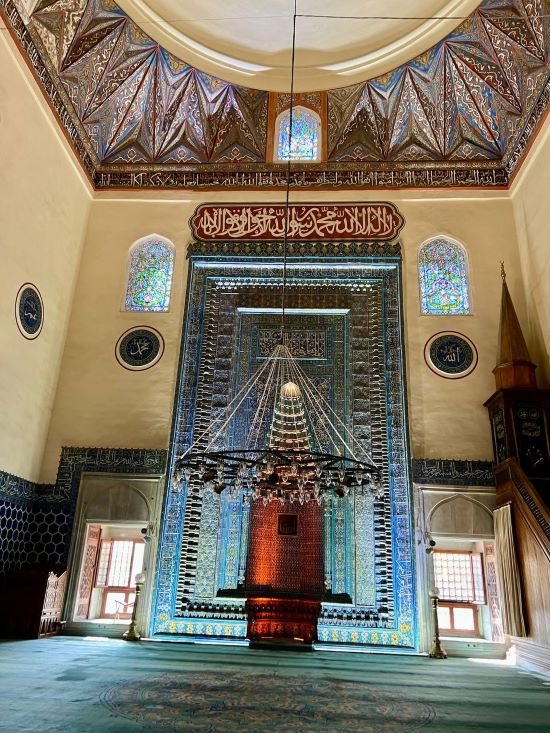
x=168 y=23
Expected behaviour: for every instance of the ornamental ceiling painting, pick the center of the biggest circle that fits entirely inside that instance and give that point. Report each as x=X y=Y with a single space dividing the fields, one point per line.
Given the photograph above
x=462 y=113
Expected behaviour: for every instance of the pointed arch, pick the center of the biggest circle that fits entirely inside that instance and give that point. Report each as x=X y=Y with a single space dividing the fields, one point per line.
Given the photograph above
x=444 y=277
x=305 y=144
x=150 y=270
x=456 y=497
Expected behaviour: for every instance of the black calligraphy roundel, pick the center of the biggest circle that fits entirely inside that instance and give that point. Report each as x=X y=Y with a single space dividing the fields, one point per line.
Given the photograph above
x=29 y=311
x=450 y=355
x=139 y=348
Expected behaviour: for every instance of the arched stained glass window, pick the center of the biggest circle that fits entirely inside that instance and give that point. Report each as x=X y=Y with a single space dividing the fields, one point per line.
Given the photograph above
x=151 y=263
x=306 y=135
x=443 y=273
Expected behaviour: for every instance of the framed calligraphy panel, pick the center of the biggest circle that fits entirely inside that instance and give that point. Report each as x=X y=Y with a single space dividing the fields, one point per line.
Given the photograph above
x=374 y=221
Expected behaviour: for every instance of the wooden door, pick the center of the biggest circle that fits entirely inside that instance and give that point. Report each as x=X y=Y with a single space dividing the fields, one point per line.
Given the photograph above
x=86 y=584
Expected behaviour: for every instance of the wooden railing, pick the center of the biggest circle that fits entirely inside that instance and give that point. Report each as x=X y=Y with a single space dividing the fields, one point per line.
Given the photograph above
x=531 y=524
x=31 y=600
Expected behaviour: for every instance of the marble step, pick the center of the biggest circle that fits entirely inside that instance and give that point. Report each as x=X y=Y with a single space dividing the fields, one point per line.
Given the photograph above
x=473 y=648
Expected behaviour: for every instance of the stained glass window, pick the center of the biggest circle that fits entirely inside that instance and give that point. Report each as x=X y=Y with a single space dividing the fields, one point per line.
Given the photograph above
x=443 y=272
x=305 y=142
x=150 y=275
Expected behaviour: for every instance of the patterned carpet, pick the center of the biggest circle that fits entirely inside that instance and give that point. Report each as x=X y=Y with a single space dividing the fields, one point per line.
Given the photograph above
x=195 y=702
x=71 y=685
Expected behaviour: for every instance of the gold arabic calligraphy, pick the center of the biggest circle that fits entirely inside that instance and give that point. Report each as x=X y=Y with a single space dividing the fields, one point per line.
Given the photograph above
x=311 y=344
x=363 y=221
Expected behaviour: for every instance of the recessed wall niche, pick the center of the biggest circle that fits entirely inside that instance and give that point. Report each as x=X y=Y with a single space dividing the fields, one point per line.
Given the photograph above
x=343 y=325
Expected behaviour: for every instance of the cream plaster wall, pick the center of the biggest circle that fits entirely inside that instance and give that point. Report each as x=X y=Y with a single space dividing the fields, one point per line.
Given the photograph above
x=447 y=417
x=101 y=404
x=530 y=199
x=43 y=209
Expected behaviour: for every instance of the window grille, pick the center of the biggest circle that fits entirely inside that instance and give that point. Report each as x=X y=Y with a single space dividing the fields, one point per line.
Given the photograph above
x=459 y=576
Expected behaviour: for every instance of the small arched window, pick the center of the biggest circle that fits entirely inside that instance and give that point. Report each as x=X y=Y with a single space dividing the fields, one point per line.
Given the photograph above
x=150 y=268
x=305 y=143
x=443 y=274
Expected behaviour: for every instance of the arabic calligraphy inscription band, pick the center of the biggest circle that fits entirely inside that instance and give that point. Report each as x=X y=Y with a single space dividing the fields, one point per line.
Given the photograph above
x=375 y=221
x=450 y=355
x=29 y=311
x=139 y=348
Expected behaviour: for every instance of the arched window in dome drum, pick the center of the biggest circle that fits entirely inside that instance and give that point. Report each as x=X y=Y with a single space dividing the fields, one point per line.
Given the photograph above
x=443 y=276
x=150 y=268
x=305 y=143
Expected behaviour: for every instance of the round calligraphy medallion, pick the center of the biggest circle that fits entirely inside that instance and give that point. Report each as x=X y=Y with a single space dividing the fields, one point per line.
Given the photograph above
x=139 y=348
x=29 y=311
x=450 y=355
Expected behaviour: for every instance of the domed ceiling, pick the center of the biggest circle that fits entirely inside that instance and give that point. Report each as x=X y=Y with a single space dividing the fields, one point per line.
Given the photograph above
x=461 y=112
x=249 y=42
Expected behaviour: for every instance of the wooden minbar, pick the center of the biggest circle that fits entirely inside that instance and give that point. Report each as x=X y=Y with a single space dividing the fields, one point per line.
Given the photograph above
x=285 y=576
x=519 y=411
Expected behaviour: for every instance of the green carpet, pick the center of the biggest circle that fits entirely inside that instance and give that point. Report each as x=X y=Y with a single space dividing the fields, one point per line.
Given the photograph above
x=73 y=685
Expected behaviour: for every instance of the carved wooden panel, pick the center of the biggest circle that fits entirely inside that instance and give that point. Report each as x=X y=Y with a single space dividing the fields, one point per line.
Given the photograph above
x=85 y=586
x=535 y=573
